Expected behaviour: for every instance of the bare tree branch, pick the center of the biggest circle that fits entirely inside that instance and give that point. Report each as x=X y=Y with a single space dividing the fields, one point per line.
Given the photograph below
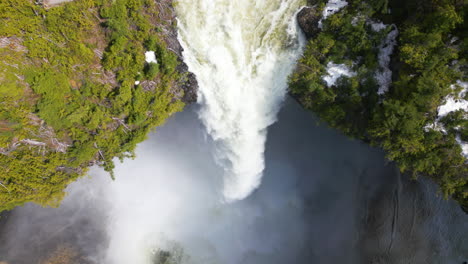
x=1 y=184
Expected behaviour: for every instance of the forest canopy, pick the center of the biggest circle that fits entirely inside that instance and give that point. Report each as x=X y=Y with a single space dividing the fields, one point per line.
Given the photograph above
x=75 y=90
x=399 y=62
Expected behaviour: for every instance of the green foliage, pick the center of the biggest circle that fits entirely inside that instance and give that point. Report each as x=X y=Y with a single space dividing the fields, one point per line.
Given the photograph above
x=151 y=70
x=28 y=176
x=152 y=43
x=429 y=58
x=65 y=109
x=348 y=104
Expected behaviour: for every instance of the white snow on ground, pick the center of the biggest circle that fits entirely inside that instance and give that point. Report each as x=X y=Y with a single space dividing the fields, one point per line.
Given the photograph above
x=377 y=26
x=331 y=8
x=335 y=71
x=150 y=57
x=464 y=146
x=435 y=126
x=453 y=104
x=384 y=76
x=56 y=2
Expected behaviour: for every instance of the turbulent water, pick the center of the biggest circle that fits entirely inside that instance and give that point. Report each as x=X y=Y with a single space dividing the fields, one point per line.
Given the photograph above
x=324 y=199
x=242 y=52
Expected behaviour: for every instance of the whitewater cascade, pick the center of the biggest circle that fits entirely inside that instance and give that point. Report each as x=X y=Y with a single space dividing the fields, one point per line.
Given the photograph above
x=242 y=52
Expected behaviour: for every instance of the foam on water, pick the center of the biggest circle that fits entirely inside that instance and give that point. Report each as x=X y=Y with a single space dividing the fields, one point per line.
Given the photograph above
x=242 y=52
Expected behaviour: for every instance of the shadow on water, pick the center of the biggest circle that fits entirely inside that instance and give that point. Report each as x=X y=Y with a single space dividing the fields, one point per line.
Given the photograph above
x=358 y=207
x=324 y=199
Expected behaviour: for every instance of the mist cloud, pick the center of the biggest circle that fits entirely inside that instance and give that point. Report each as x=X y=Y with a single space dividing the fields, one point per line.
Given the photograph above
x=324 y=199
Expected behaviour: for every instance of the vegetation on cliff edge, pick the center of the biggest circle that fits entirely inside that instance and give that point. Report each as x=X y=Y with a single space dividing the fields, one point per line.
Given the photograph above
x=68 y=93
x=429 y=57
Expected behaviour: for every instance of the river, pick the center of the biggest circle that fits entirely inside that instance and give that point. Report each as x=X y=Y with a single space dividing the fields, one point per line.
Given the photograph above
x=324 y=199
x=212 y=186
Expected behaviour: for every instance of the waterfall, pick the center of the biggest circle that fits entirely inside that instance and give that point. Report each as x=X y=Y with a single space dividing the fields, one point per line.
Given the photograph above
x=242 y=52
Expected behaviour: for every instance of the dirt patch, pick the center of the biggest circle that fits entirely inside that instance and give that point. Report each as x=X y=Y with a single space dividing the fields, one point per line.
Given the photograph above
x=13 y=43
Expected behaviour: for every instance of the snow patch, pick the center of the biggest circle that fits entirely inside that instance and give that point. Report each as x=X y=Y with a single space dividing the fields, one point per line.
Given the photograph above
x=437 y=126
x=384 y=75
x=464 y=146
x=335 y=71
x=55 y=2
x=452 y=103
x=377 y=26
x=331 y=8
x=150 y=57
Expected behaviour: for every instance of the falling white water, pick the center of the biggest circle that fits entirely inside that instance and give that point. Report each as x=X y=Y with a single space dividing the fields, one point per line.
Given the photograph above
x=242 y=52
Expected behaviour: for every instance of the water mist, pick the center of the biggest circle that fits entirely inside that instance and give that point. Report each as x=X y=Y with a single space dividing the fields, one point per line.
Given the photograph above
x=169 y=199
x=325 y=198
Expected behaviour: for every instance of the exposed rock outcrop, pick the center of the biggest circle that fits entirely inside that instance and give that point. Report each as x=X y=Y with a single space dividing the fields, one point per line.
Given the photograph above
x=167 y=14
x=308 y=19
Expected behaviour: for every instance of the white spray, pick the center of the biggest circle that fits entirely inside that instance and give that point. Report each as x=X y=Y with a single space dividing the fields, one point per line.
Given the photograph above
x=242 y=52
x=167 y=199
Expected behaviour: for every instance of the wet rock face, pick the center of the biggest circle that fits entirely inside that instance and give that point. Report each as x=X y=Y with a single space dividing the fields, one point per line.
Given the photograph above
x=189 y=84
x=308 y=19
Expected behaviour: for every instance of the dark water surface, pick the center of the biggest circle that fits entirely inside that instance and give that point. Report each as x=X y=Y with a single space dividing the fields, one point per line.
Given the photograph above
x=324 y=199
